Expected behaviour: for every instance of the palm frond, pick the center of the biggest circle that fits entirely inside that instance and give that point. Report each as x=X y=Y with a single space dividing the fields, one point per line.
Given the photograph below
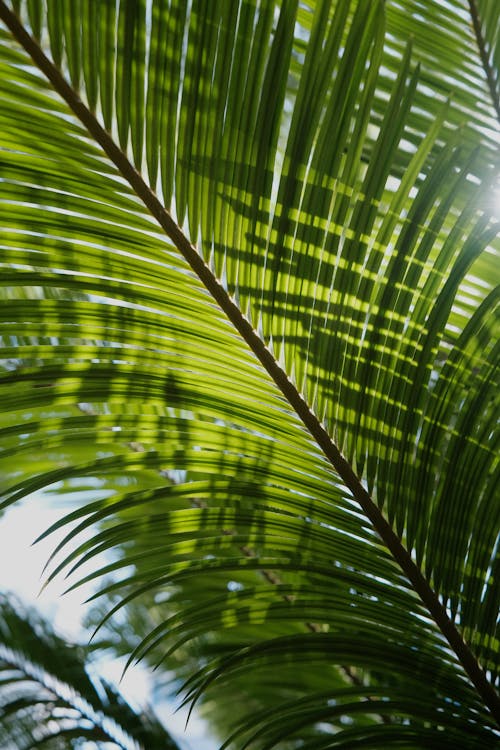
x=288 y=400
x=48 y=698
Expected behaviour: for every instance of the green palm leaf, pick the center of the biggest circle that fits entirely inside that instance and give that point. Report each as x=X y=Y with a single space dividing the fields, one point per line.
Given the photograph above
x=48 y=698
x=292 y=421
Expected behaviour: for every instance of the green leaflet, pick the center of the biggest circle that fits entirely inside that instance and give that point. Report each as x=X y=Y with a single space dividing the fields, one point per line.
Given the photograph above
x=311 y=154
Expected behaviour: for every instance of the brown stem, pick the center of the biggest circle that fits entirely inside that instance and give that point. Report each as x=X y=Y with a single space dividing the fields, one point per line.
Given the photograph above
x=342 y=467
x=483 y=53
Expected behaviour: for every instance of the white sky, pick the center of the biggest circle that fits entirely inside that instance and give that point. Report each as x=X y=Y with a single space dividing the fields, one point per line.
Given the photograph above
x=21 y=566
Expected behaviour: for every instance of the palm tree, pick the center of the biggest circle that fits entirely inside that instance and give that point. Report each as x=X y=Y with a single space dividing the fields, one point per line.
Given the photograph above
x=49 y=699
x=250 y=265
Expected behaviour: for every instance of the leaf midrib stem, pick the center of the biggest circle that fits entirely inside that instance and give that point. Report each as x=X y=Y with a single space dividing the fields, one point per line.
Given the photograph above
x=483 y=54
x=188 y=251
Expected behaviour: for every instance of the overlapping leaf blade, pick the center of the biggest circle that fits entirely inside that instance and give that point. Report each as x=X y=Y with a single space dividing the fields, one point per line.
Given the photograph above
x=311 y=174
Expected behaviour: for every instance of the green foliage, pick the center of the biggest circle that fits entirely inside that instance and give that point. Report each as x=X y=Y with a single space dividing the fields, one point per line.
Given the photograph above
x=291 y=423
x=48 y=698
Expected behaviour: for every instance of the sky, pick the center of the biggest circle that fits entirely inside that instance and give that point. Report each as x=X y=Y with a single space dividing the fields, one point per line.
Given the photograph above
x=21 y=566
